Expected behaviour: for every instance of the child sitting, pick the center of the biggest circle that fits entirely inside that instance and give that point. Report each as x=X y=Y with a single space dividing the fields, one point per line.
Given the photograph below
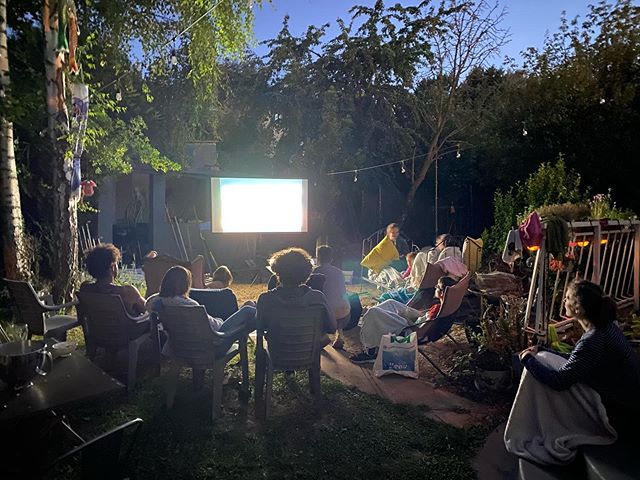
x=392 y=316
x=222 y=278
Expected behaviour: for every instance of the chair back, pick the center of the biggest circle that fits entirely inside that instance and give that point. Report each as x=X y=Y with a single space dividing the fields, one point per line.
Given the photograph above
x=155 y=267
x=432 y=274
x=219 y=303
x=29 y=307
x=190 y=333
x=294 y=336
x=440 y=325
x=453 y=296
x=104 y=319
x=106 y=456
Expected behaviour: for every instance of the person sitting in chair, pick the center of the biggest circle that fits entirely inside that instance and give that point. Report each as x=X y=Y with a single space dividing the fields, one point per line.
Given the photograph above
x=380 y=258
x=174 y=291
x=102 y=264
x=392 y=316
x=222 y=278
x=334 y=290
x=292 y=266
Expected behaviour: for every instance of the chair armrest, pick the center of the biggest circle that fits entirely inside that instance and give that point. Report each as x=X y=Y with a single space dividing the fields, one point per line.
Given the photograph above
x=141 y=319
x=54 y=308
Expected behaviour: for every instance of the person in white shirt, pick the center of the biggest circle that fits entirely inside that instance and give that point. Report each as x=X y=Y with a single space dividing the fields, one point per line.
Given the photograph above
x=334 y=290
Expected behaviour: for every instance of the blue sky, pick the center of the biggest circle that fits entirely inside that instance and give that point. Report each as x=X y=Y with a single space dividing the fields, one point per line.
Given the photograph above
x=527 y=20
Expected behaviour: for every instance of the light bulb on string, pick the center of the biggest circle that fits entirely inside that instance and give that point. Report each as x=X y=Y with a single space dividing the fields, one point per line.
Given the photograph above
x=402 y=169
x=458 y=151
x=524 y=130
x=174 y=57
x=355 y=176
x=119 y=95
x=602 y=101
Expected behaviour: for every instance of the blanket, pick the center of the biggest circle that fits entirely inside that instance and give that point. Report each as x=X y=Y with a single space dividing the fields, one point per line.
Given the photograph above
x=547 y=426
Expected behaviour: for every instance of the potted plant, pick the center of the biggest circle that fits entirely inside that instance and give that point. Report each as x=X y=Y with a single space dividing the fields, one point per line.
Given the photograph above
x=502 y=337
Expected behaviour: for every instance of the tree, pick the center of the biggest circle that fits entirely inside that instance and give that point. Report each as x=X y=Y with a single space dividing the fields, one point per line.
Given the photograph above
x=202 y=31
x=11 y=222
x=468 y=36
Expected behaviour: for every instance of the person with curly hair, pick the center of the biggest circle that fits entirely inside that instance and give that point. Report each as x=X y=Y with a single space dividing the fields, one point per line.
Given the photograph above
x=102 y=264
x=292 y=267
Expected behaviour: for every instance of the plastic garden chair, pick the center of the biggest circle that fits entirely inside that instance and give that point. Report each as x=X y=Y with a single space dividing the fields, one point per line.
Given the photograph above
x=107 y=455
x=31 y=310
x=107 y=325
x=422 y=299
x=294 y=342
x=195 y=344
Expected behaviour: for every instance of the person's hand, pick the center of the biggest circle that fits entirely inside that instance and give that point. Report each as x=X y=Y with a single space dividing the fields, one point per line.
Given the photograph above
x=528 y=351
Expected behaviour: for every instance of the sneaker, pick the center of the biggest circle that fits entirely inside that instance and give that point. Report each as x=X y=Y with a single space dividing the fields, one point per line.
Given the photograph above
x=362 y=358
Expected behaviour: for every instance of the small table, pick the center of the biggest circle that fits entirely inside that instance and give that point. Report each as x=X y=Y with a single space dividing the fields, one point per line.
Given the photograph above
x=72 y=379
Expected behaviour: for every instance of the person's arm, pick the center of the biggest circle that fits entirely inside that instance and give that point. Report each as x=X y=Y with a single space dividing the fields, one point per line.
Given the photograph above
x=582 y=361
x=137 y=301
x=555 y=352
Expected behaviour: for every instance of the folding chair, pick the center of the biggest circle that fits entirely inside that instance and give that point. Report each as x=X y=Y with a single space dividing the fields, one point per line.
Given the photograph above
x=428 y=331
x=104 y=457
x=429 y=281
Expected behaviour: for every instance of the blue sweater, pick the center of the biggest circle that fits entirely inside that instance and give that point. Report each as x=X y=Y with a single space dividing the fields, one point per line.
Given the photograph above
x=602 y=359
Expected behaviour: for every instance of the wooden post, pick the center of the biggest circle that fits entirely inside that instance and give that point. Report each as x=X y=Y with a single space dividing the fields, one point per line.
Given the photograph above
x=636 y=267
x=595 y=248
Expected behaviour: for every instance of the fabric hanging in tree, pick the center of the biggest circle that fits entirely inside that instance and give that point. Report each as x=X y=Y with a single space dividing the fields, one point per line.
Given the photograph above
x=80 y=102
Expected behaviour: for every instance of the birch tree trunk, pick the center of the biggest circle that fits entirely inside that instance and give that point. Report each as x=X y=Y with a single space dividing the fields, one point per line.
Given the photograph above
x=65 y=218
x=11 y=223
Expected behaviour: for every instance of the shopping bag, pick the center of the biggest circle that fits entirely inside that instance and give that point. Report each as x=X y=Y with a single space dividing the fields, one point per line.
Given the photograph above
x=397 y=354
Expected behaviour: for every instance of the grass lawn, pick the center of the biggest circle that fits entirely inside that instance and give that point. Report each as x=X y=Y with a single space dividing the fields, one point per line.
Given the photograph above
x=350 y=435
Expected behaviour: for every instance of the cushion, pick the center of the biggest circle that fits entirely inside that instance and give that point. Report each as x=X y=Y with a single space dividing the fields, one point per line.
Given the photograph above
x=381 y=255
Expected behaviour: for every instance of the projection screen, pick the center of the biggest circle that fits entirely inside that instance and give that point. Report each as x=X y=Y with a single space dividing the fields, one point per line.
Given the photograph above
x=258 y=205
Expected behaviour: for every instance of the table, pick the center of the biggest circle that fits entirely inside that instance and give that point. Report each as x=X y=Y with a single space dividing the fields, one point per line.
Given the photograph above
x=72 y=379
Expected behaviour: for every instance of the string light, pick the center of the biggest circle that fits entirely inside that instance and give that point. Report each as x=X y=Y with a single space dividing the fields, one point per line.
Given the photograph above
x=355 y=177
x=524 y=130
x=174 y=58
x=402 y=169
x=458 y=152
x=602 y=101
x=119 y=95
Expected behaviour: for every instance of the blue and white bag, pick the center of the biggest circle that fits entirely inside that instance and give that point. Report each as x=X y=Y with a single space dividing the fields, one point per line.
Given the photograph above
x=397 y=354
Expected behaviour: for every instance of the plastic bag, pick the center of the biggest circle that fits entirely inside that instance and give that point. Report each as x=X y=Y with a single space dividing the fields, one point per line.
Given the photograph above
x=397 y=354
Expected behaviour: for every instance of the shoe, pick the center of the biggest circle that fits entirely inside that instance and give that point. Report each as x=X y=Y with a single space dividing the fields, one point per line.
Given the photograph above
x=362 y=358
x=338 y=344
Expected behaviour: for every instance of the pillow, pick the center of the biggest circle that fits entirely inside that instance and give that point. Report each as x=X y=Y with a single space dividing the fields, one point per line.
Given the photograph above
x=381 y=255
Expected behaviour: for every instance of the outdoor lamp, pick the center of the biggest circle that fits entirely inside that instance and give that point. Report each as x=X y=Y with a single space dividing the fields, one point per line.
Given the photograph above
x=533 y=248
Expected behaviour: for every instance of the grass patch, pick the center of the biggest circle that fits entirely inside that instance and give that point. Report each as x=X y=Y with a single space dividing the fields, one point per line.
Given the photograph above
x=349 y=435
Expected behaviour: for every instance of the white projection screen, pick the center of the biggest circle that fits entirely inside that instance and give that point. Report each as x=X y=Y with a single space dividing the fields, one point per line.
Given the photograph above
x=258 y=205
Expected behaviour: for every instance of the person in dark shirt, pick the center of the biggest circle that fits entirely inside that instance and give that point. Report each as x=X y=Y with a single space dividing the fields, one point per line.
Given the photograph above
x=292 y=267
x=603 y=359
x=102 y=264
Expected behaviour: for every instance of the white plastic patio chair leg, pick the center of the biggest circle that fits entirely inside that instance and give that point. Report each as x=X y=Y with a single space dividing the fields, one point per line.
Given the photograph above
x=172 y=382
x=133 y=365
x=218 y=380
x=268 y=391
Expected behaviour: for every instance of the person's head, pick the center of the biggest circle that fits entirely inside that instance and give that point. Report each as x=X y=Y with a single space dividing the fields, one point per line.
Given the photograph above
x=175 y=283
x=102 y=261
x=442 y=241
x=442 y=285
x=586 y=302
x=324 y=254
x=292 y=266
x=411 y=256
x=393 y=231
x=223 y=275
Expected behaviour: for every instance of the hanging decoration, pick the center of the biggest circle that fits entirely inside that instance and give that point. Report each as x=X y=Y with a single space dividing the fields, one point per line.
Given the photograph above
x=524 y=130
x=458 y=151
x=403 y=170
x=80 y=102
